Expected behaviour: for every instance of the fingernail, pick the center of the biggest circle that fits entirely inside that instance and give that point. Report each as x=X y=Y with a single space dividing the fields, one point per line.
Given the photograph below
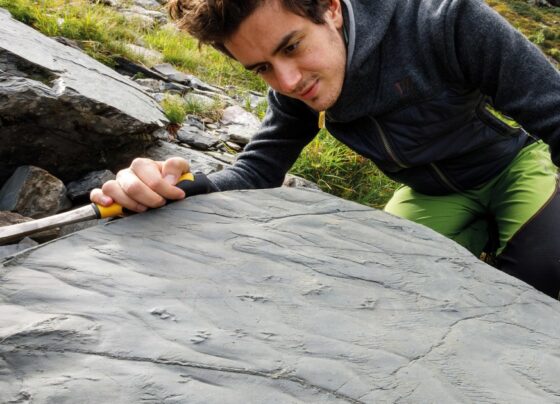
x=170 y=179
x=105 y=200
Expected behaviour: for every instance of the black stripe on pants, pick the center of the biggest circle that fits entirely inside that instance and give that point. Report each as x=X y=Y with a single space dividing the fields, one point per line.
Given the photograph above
x=533 y=253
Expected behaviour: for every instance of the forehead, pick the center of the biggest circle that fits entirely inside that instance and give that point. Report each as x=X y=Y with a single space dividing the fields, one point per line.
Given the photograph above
x=261 y=32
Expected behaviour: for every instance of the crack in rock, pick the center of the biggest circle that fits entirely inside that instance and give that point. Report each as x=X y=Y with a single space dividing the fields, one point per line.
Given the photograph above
x=280 y=374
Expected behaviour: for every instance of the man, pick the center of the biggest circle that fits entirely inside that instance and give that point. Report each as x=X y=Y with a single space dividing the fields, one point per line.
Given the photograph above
x=414 y=85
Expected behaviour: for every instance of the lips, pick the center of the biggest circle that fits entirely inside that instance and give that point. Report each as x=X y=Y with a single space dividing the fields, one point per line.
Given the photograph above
x=310 y=91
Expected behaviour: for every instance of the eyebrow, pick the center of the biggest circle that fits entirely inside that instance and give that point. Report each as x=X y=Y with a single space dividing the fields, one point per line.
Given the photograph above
x=285 y=41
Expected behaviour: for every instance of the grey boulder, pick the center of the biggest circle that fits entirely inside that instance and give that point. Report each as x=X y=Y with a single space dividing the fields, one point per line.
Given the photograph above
x=64 y=111
x=280 y=295
x=33 y=192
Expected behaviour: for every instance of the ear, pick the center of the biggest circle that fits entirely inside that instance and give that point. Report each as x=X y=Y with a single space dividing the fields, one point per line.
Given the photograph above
x=334 y=13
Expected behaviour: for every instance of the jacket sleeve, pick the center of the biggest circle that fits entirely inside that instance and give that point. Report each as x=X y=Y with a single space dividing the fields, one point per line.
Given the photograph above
x=485 y=51
x=288 y=126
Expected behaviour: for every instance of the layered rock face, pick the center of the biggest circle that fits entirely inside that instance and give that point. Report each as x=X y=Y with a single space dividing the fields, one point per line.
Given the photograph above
x=63 y=109
x=277 y=295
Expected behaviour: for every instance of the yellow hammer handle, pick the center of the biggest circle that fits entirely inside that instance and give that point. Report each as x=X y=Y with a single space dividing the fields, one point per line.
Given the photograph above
x=115 y=209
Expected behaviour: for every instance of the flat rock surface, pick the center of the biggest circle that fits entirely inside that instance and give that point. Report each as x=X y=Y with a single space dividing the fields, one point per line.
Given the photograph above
x=280 y=295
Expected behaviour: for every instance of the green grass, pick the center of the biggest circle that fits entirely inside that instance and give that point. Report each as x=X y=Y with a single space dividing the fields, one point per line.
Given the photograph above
x=341 y=172
x=100 y=31
x=198 y=108
x=175 y=108
x=540 y=24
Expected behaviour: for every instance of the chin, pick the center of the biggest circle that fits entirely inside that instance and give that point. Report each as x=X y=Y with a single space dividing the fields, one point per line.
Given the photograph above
x=319 y=105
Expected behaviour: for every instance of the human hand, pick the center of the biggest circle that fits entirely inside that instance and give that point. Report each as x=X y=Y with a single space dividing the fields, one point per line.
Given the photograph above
x=145 y=184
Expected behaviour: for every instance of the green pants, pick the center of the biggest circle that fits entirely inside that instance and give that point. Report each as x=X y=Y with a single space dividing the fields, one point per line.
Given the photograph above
x=511 y=199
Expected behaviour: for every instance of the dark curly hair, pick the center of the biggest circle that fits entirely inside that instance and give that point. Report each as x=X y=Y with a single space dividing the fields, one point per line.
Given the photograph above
x=213 y=21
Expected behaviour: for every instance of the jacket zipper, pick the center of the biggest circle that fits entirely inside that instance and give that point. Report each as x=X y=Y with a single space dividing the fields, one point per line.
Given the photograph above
x=445 y=180
x=387 y=145
x=399 y=162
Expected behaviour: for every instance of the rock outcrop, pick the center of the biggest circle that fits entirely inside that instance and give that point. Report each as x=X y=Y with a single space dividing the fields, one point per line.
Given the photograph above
x=65 y=112
x=270 y=296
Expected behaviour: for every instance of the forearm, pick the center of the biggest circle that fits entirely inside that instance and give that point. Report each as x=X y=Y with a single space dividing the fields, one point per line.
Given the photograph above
x=288 y=126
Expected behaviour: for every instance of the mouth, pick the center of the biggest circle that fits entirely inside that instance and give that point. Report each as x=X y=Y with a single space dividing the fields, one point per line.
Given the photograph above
x=310 y=91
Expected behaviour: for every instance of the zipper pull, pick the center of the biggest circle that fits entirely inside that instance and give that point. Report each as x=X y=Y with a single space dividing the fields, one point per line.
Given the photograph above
x=321 y=120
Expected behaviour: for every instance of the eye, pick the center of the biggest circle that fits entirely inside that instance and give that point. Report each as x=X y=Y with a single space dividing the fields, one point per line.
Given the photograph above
x=261 y=69
x=291 y=48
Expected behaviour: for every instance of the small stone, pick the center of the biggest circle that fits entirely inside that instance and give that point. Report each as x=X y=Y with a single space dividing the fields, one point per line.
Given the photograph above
x=195 y=121
x=202 y=100
x=152 y=85
x=149 y=55
x=234 y=146
x=240 y=124
x=225 y=157
x=196 y=138
x=298 y=182
x=176 y=88
x=147 y=4
x=78 y=191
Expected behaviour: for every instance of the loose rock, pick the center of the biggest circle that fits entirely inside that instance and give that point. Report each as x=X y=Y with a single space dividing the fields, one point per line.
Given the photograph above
x=78 y=191
x=33 y=192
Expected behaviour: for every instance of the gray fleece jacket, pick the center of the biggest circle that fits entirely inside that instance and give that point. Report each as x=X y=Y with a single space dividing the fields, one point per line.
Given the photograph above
x=422 y=80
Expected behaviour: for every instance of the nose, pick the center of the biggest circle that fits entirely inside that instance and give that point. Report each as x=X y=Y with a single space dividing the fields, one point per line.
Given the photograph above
x=287 y=76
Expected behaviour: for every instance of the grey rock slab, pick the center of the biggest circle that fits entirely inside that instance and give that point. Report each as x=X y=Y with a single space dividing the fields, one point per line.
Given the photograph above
x=240 y=124
x=198 y=160
x=237 y=115
x=176 y=88
x=175 y=75
x=196 y=138
x=150 y=17
x=59 y=105
x=199 y=99
x=129 y=68
x=151 y=85
x=153 y=4
x=12 y=249
x=280 y=295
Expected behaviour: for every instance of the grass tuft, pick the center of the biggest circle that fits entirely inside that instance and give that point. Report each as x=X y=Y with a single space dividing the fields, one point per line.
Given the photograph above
x=175 y=108
x=341 y=172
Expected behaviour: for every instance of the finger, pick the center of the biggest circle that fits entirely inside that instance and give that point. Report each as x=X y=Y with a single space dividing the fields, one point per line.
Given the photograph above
x=114 y=190
x=172 y=169
x=130 y=190
x=151 y=174
x=97 y=196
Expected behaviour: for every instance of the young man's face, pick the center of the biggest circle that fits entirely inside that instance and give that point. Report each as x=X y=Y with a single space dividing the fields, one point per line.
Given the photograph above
x=295 y=56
